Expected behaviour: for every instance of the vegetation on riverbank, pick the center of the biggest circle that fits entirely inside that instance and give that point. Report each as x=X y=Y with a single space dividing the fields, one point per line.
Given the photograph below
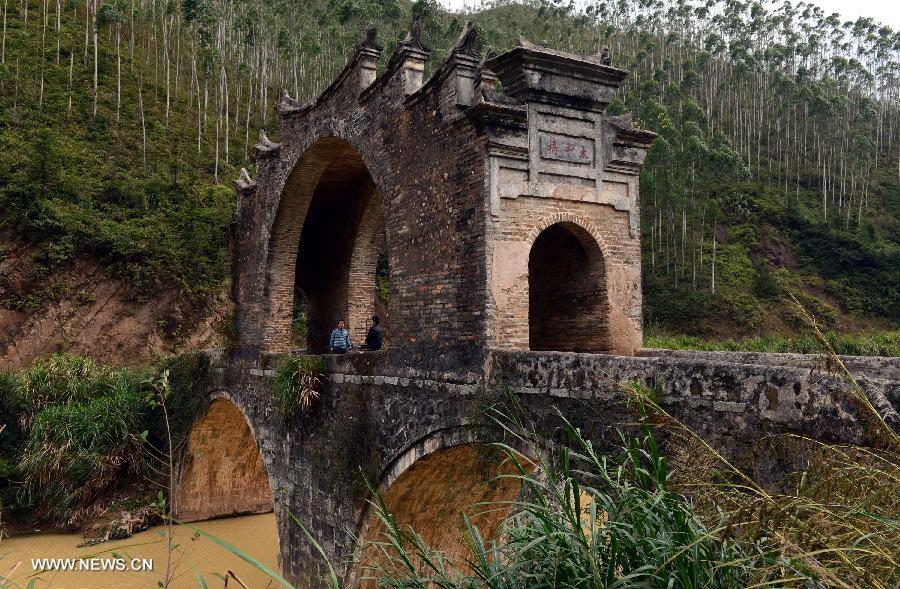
x=80 y=436
x=867 y=343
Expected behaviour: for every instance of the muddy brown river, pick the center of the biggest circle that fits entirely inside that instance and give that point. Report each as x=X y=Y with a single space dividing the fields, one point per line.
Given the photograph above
x=254 y=534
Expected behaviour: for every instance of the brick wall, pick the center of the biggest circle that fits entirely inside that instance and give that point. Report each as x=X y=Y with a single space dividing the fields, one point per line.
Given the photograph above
x=361 y=275
x=434 y=492
x=423 y=160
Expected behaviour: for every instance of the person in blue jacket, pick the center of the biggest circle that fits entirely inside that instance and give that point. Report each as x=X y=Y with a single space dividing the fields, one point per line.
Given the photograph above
x=340 y=339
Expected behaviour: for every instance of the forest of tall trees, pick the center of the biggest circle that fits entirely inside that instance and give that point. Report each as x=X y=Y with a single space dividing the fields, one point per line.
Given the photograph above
x=123 y=122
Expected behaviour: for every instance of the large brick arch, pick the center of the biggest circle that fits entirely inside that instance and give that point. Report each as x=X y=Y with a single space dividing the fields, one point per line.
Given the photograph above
x=222 y=471
x=568 y=306
x=432 y=485
x=323 y=242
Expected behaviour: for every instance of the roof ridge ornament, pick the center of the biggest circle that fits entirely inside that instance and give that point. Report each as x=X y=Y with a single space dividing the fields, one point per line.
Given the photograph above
x=264 y=140
x=604 y=56
x=265 y=146
x=288 y=105
x=368 y=39
x=486 y=80
x=413 y=39
x=244 y=182
x=465 y=43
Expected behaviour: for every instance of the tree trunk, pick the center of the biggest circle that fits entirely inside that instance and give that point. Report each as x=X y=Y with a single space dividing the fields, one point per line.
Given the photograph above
x=43 y=53
x=15 y=116
x=143 y=124
x=87 y=26
x=71 y=67
x=713 y=279
x=3 y=51
x=96 y=61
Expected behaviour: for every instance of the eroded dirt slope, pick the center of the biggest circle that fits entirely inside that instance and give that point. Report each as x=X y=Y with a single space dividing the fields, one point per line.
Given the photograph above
x=81 y=310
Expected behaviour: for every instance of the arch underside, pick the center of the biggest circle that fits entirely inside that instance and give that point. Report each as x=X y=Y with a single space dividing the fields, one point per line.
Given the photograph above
x=568 y=309
x=222 y=472
x=432 y=495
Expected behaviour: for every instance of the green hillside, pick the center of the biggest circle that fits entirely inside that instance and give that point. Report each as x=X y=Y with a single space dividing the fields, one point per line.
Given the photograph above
x=123 y=125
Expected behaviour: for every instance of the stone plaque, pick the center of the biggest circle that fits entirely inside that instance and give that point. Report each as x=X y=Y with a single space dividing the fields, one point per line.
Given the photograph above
x=567 y=149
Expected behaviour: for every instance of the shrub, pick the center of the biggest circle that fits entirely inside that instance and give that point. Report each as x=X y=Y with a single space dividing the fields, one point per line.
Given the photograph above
x=186 y=399
x=77 y=431
x=66 y=378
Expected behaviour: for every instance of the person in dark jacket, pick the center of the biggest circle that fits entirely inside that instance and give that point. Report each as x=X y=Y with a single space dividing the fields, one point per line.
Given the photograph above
x=374 y=338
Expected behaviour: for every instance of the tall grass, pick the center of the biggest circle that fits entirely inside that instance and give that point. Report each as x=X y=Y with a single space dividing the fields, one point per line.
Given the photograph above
x=80 y=423
x=78 y=432
x=78 y=452
x=586 y=520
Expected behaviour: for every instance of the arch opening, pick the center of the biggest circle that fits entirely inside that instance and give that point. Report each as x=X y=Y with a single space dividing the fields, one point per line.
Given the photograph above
x=326 y=243
x=222 y=472
x=432 y=495
x=567 y=298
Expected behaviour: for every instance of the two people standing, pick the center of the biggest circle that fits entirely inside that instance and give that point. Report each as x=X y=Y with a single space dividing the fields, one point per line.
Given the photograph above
x=340 y=343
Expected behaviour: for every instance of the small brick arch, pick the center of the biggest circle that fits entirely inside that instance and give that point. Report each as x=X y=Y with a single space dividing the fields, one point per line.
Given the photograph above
x=568 y=299
x=222 y=471
x=323 y=242
x=564 y=217
x=432 y=484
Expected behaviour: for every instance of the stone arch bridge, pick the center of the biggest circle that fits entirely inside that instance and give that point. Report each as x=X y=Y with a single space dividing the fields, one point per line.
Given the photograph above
x=497 y=233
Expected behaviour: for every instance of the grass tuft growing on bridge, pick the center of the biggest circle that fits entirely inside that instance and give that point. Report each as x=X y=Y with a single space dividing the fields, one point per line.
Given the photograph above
x=297 y=383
